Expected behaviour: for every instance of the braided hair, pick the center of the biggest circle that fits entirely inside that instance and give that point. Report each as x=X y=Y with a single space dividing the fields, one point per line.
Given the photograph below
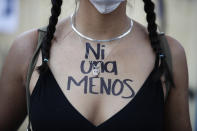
x=152 y=26
x=56 y=10
x=149 y=7
x=51 y=28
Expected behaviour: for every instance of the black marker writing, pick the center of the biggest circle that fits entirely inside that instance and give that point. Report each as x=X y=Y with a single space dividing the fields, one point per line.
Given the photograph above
x=104 y=67
x=108 y=86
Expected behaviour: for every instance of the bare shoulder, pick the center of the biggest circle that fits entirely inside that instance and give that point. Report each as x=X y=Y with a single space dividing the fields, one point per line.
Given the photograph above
x=22 y=50
x=12 y=80
x=179 y=62
x=177 y=107
x=26 y=40
x=176 y=48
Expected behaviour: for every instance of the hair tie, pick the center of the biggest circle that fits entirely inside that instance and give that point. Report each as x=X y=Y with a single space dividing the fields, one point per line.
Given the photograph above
x=161 y=55
x=46 y=60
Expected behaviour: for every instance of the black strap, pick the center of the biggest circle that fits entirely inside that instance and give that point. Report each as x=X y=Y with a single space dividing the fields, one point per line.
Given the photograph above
x=30 y=71
x=166 y=63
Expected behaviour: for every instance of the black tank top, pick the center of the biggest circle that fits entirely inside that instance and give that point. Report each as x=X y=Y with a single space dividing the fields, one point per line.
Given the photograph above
x=50 y=110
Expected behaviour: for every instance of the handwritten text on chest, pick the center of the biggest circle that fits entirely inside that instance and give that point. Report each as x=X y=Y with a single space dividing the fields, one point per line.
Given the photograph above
x=107 y=86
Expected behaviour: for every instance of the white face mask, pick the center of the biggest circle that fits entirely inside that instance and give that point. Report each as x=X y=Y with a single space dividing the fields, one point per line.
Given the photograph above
x=106 y=6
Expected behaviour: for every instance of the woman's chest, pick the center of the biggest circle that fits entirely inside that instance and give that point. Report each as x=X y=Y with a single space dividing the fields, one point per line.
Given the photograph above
x=96 y=70
x=97 y=81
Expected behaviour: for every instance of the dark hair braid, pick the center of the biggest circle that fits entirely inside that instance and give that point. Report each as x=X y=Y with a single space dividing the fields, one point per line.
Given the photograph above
x=51 y=28
x=149 y=7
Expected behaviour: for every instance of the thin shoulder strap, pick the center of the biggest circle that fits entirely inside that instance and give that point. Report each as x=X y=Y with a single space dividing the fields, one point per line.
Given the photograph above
x=168 y=63
x=31 y=67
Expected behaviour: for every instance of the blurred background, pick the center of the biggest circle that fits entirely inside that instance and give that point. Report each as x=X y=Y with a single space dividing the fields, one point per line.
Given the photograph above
x=176 y=18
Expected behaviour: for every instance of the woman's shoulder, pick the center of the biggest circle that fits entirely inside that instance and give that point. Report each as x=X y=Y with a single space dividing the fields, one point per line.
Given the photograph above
x=175 y=46
x=25 y=43
x=178 y=54
x=26 y=40
x=179 y=63
x=22 y=50
x=12 y=77
x=177 y=101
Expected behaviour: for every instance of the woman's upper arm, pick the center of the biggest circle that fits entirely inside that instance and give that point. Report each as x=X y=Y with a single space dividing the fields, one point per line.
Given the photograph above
x=177 y=107
x=12 y=81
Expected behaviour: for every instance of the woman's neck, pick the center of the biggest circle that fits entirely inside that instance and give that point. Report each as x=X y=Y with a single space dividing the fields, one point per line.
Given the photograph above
x=101 y=26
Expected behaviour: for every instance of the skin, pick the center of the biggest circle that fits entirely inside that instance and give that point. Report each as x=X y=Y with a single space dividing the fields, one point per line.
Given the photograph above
x=13 y=76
